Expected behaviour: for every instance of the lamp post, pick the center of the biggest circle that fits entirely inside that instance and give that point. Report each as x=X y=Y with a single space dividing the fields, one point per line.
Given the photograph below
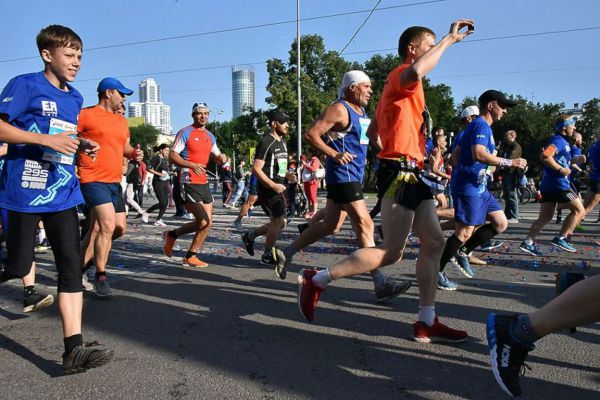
x=299 y=89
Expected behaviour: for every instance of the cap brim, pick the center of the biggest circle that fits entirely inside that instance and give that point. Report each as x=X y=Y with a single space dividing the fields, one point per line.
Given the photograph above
x=508 y=103
x=126 y=92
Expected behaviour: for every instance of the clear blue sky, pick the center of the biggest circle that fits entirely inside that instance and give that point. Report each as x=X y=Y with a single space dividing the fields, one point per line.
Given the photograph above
x=551 y=68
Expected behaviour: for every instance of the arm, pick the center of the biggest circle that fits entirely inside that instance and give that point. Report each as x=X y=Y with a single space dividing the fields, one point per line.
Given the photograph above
x=180 y=162
x=424 y=64
x=435 y=161
x=257 y=167
x=547 y=158
x=480 y=154
x=62 y=142
x=335 y=116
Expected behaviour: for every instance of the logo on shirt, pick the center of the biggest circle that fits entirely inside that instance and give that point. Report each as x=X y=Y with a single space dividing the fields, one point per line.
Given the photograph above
x=49 y=108
x=7 y=99
x=35 y=175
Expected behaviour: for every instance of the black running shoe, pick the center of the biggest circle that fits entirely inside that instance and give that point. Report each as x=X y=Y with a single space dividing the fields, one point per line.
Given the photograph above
x=267 y=259
x=86 y=356
x=35 y=301
x=302 y=227
x=248 y=243
x=507 y=356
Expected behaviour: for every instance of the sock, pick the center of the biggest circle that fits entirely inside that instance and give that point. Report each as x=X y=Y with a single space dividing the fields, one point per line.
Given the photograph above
x=41 y=234
x=72 y=341
x=427 y=315
x=99 y=274
x=523 y=332
x=251 y=235
x=289 y=252
x=378 y=278
x=190 y=254
x=28 y=290
x=172 y=233
x=562 y=237
x=452 y=245
x=481 y=235
x=322 y=278
x=529 y=241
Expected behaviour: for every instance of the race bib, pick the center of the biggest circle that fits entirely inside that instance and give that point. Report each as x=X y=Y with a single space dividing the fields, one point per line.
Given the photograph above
x=364 y=126
x=282 y=163
x=58 y=126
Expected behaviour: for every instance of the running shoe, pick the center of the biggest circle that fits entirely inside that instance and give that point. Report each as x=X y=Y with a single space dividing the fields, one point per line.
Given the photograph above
x=308 y=293
x=563 y=244
x=159 y=222
x=194 y=261
x=35 y=301
x=86 y=356
x=138 y=216
x=44 y=245
x=267 y=259
x=476 y=260
x=248 y=243
x=168 y=243
x=391 y=288
x=238 y=225
x=302 y=227
x=530 y=248
x=507 y=356
x=101 y=286
x=437 y=332
x=85 y=282
x=513 y=220
x=145 y=217
x=444 y=283
x=281 y=263
x=461 y=262
x=189 y=216
x=491 y=245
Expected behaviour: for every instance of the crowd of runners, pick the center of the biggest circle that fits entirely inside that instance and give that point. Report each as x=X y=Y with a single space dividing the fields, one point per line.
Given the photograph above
x=60 y=156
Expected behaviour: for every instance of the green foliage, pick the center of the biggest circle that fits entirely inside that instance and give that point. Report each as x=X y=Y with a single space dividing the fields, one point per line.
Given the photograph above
x=589 y=124
x=146 y=136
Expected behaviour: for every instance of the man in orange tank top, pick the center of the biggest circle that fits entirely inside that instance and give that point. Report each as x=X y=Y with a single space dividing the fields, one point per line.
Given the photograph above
x=407 y=202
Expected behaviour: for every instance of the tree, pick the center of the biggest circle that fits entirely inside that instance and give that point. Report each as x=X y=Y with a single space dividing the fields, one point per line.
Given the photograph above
x=589 y=124
x=146 y=136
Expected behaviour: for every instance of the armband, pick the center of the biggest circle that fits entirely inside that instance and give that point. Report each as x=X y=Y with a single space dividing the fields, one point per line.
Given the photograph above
x=505 y=162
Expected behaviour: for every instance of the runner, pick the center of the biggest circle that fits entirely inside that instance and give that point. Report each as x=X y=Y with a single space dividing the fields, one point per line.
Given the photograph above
x=160 y=168
x=100 y=177
x=248 y=204
x=555 y=189
x=270 y=168
x=577 y=161
x=511 y=336
x=473 y=203
x=193 y=147
x=35 y=189
x=399 y=131
x=592 y=197
x=345 y=123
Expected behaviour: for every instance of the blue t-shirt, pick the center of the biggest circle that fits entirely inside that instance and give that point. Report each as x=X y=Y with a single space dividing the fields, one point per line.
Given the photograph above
x=428 y=146
x=469 y=177
x=353 y=140
x=575 y=152
x=553 y=180
x=594 y=160
x=28 y=183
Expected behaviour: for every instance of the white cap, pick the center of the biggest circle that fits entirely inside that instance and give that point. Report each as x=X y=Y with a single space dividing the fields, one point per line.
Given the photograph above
x=468 y=111
x=351 y=78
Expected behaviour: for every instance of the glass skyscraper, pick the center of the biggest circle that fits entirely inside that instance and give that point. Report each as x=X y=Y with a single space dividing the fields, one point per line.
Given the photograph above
x=243 y=90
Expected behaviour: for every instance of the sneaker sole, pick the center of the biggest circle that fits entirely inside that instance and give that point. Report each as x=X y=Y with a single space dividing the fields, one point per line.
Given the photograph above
x=446 y=288
x=528 y=251
x=391 y=296
x=98 y=361
x=280 y=267
x=45 y=302
x=461 y=269
x=564 y=248
x=193 y=265
x=300 y=282
x=492 y=346
x=437 y=340
x=101 y=295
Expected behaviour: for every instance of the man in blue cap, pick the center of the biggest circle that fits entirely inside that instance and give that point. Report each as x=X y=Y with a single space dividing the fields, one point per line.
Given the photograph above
x=100 y=178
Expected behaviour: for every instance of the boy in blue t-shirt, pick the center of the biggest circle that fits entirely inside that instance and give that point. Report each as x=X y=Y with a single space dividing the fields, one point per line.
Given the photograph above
x=38 y=120
x=473 y=203
x=556 y=189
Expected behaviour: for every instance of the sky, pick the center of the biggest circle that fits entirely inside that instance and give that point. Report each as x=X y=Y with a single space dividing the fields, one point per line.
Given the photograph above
x=560 y=67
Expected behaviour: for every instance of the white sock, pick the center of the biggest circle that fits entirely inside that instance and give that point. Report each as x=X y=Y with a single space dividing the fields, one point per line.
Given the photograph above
x=322 y=278
x=427 y=314
x=378 y=278
x=41 y=235
x=529 y=241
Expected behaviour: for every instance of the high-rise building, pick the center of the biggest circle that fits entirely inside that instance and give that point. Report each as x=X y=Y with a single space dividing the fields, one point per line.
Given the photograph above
x=243 y=90
x=154 y=111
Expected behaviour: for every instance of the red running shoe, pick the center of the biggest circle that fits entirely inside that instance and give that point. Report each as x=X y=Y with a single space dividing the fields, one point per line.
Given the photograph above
x=168 y=242
x=308 y=293
x=437 y=332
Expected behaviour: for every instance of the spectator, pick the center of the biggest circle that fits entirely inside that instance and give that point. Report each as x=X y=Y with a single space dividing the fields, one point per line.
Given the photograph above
x=511 y=150
x=311 y=183
x=226 y=178
x=239 y=176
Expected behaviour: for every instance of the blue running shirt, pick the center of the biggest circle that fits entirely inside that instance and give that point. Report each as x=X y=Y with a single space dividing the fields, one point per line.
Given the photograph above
x=594 y=160
x=28 y=183
x=553 y=180
x=469 y=177
x=353 y=140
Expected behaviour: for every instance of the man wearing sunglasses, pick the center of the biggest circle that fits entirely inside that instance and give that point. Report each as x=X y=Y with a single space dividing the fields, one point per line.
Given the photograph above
x=100 y=177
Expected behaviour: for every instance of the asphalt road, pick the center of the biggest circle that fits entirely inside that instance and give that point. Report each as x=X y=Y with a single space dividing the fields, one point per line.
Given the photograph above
x=233 y=330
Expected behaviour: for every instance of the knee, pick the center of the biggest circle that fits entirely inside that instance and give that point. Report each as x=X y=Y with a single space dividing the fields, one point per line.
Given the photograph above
x=434 y=243
x=203 y=224
x=500 y=226
x=579 y=211
x=107 y=227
